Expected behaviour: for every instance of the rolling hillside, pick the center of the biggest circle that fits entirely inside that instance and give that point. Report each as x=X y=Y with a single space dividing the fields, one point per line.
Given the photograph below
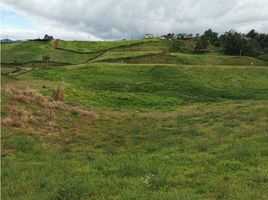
x=139 y=52
x=138 y=120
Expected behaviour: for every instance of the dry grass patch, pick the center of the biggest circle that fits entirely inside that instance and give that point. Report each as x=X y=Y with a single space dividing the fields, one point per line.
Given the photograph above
x=18 y=117
x=83 y=113
x=22 y=96
x=57 y=94
x=19 y=112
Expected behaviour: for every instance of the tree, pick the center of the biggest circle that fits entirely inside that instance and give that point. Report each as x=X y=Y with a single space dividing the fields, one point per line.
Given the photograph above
x=46 y=58
x=211 y=37
x=201 y=44
x=176 y=45
x=170 y=36
x=252 y=48
x=263 y=41
x=253 y=34
x=233 y=43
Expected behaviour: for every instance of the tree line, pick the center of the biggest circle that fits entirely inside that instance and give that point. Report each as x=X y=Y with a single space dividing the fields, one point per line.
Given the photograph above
x=234 y=43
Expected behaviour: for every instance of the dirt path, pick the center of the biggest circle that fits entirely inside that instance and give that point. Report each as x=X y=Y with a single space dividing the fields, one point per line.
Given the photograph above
x=21 y=71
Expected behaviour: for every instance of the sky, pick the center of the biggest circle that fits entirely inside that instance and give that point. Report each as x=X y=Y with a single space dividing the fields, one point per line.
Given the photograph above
x=121 y=19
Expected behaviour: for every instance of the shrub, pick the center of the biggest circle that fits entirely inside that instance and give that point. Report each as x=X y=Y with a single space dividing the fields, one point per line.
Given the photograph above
x=57 y=94
x=21 y=98
x=46 y=58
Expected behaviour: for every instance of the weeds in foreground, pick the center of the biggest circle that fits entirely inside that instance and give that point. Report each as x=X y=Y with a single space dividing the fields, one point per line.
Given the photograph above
x=57 y=94
x=19 y=112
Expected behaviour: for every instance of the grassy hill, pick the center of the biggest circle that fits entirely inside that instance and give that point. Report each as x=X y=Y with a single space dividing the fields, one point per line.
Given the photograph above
x=82 y=46
x=155 y=87
x=189 y=59
x=140 y=51
x=33 y=51
x=139 y=120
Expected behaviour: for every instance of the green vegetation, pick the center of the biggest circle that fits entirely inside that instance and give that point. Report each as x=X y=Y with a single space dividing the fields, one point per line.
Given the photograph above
x=124 y=54
x=148 y=45
x=99 y=46
x=34 y=51
x=233 y=43
x=155 y=87
x=193 y=59
x=7 y=70
x=139 y=120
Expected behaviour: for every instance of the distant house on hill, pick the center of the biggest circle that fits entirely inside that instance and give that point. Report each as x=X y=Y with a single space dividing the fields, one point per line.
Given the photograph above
x=163 y=37
x=184 y=36
x=148 y=36
x=48 y=38
x=169 y=36
x=188 y=37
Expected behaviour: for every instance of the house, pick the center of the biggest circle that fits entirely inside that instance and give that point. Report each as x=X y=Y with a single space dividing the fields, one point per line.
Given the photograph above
x=188 y=37
x=148 y=36
x=48 y=38
x=169 y=36
x=184 y=36
x=180 y=36
x=163 y=37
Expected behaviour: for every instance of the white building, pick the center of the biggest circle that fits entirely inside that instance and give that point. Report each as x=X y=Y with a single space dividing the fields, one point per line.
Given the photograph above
x=148 y=36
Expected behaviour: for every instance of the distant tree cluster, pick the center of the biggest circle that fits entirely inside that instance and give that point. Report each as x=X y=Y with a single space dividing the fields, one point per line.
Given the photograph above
x=234 y=43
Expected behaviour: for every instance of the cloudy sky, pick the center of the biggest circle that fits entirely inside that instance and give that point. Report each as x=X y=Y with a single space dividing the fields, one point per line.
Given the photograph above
x=118 y=19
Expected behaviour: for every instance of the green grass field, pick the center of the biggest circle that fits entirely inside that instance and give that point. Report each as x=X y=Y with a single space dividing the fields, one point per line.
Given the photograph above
x=133 y=125
x=192 y=59
x=34 y=50
x=82 y=46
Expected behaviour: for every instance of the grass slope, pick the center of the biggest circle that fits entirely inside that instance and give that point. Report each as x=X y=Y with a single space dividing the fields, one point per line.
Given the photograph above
x=33 y=51
x=203 y=151
x=83 y=46
x=191 y=59
x=110 y=55
x=196 y=129
x=155 y=87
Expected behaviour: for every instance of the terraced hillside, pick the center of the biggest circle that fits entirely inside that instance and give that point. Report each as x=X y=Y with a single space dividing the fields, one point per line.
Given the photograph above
x=137 y=120
x=23 y=52
x=189 y=59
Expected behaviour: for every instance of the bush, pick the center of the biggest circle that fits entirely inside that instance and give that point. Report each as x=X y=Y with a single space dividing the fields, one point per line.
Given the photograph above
x=201 y=44
x=46 y=58
x=57 y=94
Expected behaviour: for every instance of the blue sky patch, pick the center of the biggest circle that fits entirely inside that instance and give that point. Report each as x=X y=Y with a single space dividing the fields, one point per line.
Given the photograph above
x=11 y=19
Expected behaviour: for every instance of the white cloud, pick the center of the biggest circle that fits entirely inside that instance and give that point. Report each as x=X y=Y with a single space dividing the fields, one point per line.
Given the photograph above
x=112 y=19
x=57 y=33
